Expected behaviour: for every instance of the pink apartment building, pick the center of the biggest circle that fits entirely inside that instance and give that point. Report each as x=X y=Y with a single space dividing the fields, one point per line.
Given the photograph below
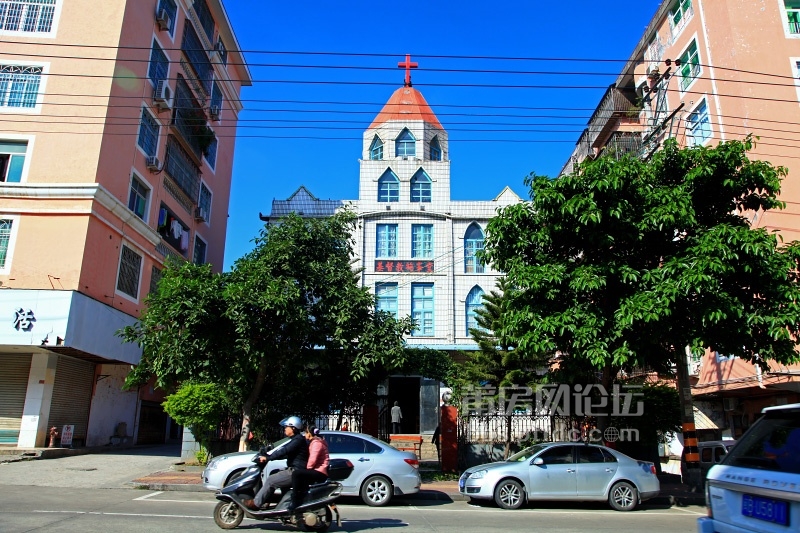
x=117 y=125
x=707 y=71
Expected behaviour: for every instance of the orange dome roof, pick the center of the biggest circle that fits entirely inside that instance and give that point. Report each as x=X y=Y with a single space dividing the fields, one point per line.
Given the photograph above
x=406 y=103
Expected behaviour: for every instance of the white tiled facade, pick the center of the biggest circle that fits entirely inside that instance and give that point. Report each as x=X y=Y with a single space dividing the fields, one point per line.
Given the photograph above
x=449 y=219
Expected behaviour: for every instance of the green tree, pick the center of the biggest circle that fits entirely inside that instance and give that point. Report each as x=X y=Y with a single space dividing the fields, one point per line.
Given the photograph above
x=626 y=262
x=197 y=406
x=499 y=363
x=290 y=307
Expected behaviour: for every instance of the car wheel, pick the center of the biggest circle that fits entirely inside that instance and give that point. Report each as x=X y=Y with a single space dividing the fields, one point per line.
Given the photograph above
x=236 y=474
x=228 y=515
x=376 y=491
x=509 y=494
x=623 y=496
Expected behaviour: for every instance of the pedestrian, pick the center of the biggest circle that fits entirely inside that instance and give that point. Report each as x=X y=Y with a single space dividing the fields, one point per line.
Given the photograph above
x=345 y=426
x=397 y=417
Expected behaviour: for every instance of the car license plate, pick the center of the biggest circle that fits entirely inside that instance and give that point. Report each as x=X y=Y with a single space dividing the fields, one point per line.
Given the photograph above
x=766 y=509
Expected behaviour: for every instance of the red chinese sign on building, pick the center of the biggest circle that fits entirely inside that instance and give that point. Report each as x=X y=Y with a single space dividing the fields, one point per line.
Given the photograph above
x=404 y=266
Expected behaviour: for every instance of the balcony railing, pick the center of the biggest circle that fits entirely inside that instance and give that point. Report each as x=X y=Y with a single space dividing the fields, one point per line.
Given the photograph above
x=624 y=142
x=616 y=102
x=181 y=169
x=794 y=20
x=197 y=56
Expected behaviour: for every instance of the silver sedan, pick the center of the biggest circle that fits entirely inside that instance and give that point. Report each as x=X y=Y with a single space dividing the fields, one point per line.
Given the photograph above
x=380 y=472
x=563 y=471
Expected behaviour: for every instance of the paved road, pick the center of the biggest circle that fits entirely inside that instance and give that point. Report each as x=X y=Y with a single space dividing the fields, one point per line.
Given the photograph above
x=53 y=509
x=114 y=469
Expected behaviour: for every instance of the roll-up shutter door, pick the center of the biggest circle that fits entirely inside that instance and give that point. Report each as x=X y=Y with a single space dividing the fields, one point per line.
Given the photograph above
x=14 y=371
x=72 y=395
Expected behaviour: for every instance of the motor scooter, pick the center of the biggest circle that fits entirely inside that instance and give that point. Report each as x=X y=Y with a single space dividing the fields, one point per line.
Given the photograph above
x=316 y=513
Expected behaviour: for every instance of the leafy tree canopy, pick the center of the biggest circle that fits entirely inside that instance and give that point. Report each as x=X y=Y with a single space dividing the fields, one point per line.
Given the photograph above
x=626 y=262
x=290 y=308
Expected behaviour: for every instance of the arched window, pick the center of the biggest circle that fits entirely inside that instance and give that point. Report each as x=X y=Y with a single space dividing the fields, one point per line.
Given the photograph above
x=389 y=187
x=473 y=242
x=420 y=187
x=376 y=149
x=473 y=303
x=405 y=145
x=436 y=149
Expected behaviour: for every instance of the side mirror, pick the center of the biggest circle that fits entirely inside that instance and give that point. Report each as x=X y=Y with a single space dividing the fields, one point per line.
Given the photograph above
x=538 y=461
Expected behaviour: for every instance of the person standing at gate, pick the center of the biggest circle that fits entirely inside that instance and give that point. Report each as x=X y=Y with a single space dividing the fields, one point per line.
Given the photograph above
x=397 y=418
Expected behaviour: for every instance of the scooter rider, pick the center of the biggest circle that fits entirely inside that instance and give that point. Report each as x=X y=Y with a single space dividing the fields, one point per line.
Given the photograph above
x=296 y=453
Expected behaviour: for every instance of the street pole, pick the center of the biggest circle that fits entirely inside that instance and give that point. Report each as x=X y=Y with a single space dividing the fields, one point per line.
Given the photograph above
x=691 y=452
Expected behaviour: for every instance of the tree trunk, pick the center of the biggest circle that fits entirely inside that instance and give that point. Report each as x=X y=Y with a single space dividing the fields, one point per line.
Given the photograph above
x=691 y=452
x=603 y=420
x=247 y=408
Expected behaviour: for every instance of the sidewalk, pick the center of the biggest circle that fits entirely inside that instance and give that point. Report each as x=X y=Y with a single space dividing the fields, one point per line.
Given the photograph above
x=672 y=491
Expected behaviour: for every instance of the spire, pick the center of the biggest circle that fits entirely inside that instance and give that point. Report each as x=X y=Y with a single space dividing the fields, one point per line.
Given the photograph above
x=408 y=65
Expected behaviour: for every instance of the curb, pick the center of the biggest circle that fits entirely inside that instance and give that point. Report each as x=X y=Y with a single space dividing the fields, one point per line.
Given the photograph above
x=178 y=487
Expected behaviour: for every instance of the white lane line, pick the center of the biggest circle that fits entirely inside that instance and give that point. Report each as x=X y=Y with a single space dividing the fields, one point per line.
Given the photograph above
x=149 y=495
x=588 y=512
x=178 y=501
x=145 y=515
x=698 y=513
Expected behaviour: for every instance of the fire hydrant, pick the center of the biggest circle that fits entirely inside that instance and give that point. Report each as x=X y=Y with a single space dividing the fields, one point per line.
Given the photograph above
x=53 y=437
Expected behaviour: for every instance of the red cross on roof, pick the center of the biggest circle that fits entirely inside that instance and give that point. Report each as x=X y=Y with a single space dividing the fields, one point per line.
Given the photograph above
x=408 y=65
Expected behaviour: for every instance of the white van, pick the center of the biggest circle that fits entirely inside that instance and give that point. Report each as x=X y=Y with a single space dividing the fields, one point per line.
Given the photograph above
x=756 y=488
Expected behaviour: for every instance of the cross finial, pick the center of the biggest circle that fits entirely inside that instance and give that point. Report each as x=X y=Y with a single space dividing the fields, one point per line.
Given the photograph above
x=408 y=65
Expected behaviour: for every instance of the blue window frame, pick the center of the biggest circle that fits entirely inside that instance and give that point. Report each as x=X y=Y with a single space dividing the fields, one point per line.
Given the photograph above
x=420 y=187
x=148 y=133
x=211 y=153
x=389 y=187
x=405 y=145
x=159 y=64
x=473 y=303
x=422 y=240
x=376 y=149
x=473 y=243
x=12 y=160
x=5 y=240
x=386 y=240
x=386 y=297
x=698 y=125
x=172 y=10
x=436 y=149
x=422 y=309
x=19 y=85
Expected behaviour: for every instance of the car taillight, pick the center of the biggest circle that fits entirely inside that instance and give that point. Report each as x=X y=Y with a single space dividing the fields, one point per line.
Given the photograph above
x=412 y=462
x=709 y=510
x=653 y=469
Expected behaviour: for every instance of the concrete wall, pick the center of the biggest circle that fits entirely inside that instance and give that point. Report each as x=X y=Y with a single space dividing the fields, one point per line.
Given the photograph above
x=111 y=405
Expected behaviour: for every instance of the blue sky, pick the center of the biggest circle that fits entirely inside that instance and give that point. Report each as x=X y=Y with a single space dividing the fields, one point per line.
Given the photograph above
x=270 y=165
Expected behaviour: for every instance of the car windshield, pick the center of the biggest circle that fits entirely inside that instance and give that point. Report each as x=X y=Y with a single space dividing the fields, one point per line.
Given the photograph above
x=771 y=444
x=526 y=454
x=279 y=442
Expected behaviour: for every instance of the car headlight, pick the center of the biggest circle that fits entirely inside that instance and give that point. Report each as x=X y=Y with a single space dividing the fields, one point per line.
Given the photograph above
x=479 y=474
x=212 y=465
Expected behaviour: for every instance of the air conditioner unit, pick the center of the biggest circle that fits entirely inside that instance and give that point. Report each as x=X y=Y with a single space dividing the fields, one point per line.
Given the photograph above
x=730 y=404
x=163 y=20
x=652 y=70
x=214 y=112
x=153 y=164
x=201 y=214
x=694 y=368
x=162 y=95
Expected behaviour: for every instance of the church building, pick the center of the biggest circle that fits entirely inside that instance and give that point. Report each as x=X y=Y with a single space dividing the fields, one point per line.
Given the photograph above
x=416 y=246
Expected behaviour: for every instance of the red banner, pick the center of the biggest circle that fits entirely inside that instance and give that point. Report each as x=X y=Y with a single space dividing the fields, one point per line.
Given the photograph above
x=404 y=266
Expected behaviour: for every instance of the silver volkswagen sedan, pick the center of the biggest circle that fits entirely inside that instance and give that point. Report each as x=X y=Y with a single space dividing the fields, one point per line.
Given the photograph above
x=563 y=471
x=381 y=471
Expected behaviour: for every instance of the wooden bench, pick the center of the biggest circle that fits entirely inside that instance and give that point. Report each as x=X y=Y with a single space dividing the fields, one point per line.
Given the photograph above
x=407 y=443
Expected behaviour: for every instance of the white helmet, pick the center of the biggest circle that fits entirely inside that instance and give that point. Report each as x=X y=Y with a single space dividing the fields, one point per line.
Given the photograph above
x=292 y=422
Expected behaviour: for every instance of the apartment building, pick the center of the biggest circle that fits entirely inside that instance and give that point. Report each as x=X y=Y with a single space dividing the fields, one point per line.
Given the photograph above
x=117 y=123
x=706 y=71
x=417 y=247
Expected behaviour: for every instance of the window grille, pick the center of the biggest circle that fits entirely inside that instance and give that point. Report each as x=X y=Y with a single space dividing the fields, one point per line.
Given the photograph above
x=130 y=265
x=155 y=277
x=198 y=58
x=199 y=256
x=159 y=64
x=148 y=133
x=5 y=238
x=137 y=199
x=205 y=18
x=204 y=200
x=30 y=16
x=180 y=167
x=211 y=154
x=172 y=10
x=19 y=85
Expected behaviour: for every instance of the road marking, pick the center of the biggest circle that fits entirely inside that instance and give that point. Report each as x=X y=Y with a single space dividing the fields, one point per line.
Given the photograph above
x=690 y=511
x=588 y=512
x=177 y=501
x=149 y=495
x=145 y=515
